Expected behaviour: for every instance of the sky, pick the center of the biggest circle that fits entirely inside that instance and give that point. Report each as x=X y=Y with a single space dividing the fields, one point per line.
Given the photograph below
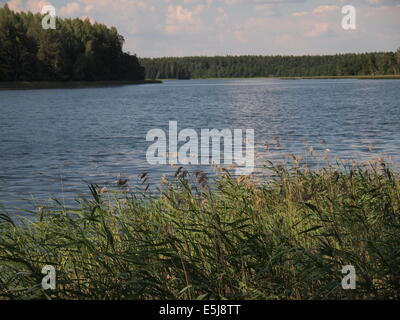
x=156 y=28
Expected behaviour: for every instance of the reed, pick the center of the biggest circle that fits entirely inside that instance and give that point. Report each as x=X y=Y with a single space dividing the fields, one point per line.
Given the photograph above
x=285 y=238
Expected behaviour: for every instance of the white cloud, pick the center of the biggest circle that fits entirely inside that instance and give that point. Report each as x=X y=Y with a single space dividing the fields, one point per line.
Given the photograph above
x=240 y=36
x=300 y=13
x=284 y=38
x=181 y=20
x=325 y=9
x=317 y=30
x=70 y=9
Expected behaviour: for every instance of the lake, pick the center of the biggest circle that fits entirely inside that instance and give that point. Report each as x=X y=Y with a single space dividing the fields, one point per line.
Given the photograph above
x=54 y=143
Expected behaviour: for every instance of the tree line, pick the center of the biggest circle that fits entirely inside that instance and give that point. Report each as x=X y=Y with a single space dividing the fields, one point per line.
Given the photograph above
x=81 y=51
x=376 y=63
x=76 y=50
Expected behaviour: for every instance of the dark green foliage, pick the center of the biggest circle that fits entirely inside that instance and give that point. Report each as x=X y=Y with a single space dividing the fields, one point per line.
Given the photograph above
x=398 y=56
x=76 y=50
x=379 y=63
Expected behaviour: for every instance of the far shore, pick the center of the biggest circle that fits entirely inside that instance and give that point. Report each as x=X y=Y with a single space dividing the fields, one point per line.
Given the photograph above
x=377 y=77
x=33 y=85
x=365 y=77
x=69 y=84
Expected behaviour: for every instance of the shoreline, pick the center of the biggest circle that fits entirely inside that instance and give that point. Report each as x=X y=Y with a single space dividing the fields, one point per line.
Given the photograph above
x=37 y=85
x=366 y=77
x=378 y=77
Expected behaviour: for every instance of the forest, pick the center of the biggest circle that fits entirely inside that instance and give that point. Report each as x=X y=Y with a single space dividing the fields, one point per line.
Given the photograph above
x=362 y=64
x=76 y=50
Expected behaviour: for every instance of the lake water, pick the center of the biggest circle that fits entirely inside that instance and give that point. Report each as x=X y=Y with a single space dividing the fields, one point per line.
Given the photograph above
x=53 y=143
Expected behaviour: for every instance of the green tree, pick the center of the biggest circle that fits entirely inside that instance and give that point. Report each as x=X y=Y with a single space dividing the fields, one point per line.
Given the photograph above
x=76 y=50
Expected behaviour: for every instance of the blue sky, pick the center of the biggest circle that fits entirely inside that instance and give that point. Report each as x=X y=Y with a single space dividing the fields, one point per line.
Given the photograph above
x=154 y=28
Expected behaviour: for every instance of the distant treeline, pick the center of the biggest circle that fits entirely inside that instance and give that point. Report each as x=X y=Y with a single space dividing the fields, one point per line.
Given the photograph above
x=378 y=63
x=76 y=50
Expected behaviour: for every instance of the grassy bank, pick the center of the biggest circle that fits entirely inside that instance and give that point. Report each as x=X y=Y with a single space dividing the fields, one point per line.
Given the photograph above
x=69 y=84
x=287 y=238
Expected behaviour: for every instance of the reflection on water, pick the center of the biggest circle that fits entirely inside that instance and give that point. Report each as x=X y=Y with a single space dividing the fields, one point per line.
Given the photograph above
x=56 y=142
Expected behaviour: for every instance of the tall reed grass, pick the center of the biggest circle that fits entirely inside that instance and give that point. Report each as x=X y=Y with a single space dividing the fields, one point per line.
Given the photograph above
x=286 y=238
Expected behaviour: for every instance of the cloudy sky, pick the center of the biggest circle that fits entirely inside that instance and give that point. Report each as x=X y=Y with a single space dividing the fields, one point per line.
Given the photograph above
x=154 y=28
